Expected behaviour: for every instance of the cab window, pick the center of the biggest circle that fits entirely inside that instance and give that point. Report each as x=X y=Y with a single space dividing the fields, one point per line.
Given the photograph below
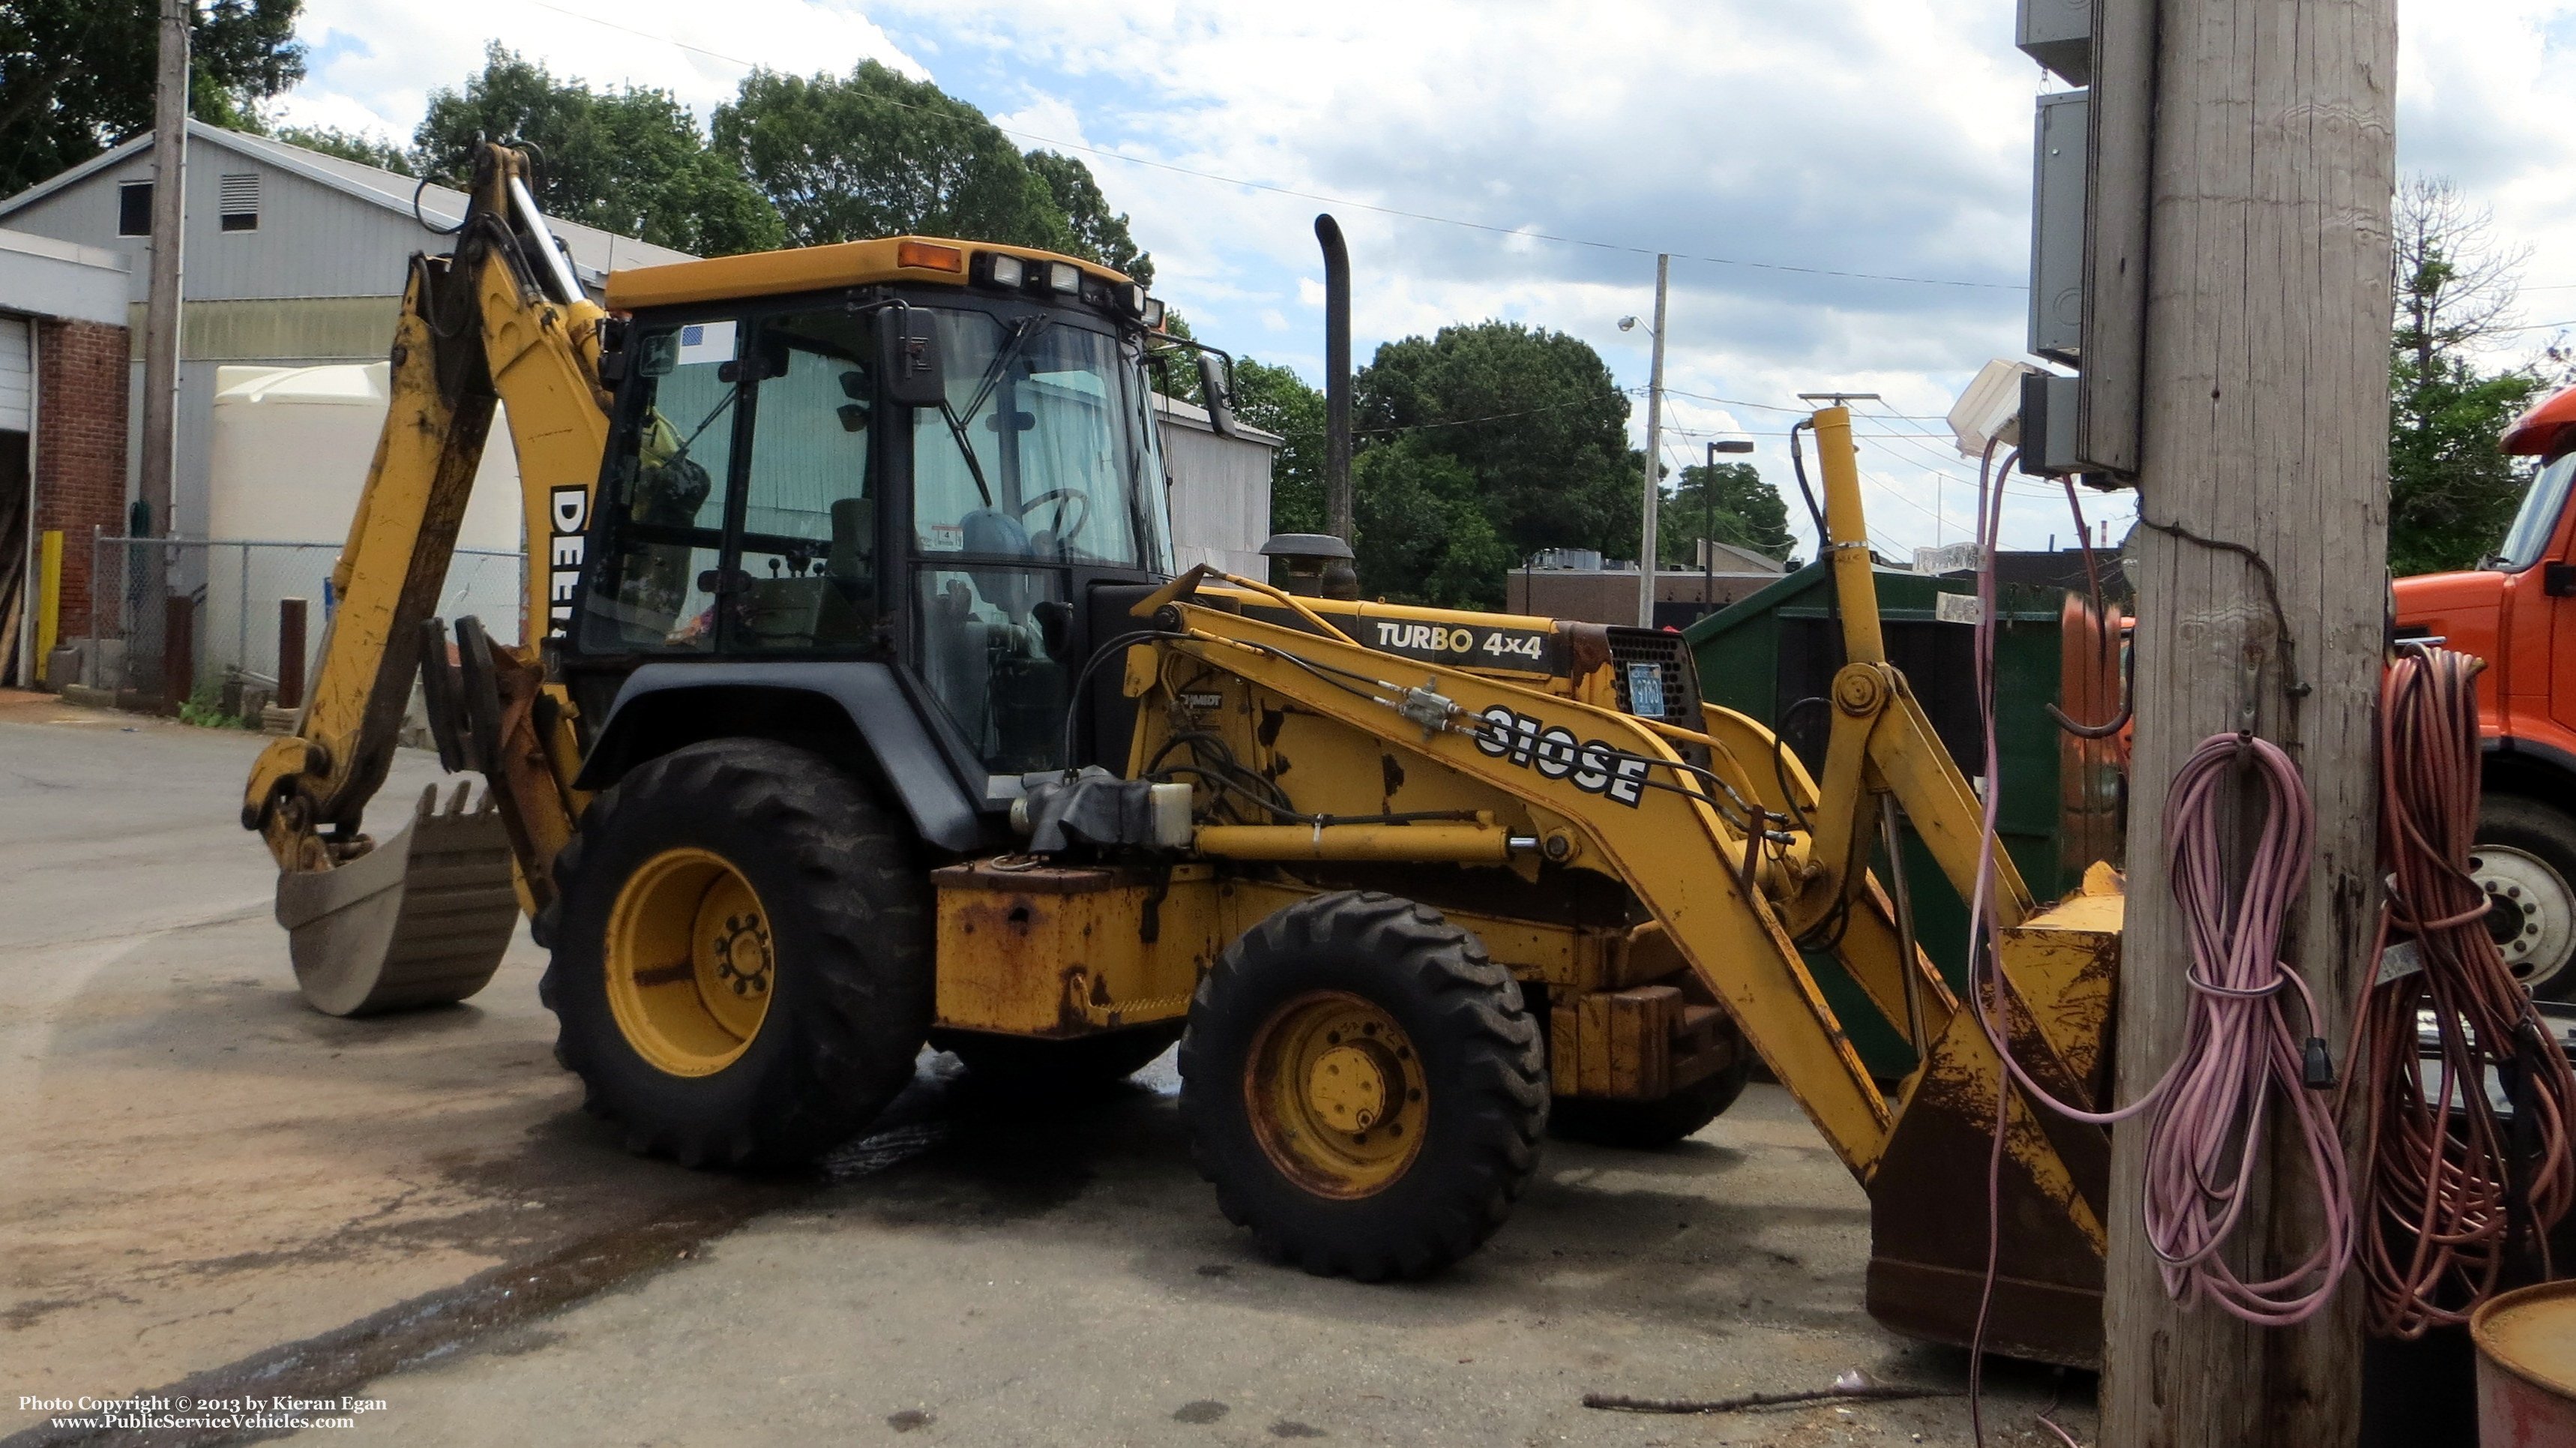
x=2537 y=519
x=652 y=592
x=809 y=514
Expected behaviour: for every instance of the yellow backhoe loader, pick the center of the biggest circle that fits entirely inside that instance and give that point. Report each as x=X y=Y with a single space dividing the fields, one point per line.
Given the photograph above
x=857 y=706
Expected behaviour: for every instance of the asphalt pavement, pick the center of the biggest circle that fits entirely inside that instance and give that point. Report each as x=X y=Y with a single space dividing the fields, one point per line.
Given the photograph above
x=207 y=1190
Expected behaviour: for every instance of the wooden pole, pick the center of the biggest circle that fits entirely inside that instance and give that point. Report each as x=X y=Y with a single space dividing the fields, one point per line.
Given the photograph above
x=1649 y=543
x=2265 y=416
x=161 y=307
x=290 y=653
x=178 y=651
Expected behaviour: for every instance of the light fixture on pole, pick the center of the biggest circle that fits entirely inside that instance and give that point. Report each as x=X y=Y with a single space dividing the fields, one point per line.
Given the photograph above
x=1708 y=526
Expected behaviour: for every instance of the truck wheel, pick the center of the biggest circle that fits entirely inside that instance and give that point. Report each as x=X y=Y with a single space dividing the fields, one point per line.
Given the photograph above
x=742 y=955
x=1021 y=1063
x=2525 y=859
x=1648 y=1125
x=1365 y=1089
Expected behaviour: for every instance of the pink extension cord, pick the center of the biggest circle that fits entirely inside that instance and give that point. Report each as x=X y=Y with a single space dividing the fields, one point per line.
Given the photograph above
x=2237 y=1047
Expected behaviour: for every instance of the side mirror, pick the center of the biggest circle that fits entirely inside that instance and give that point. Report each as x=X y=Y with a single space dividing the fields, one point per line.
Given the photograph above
x=1216 y=385
x=908 y=358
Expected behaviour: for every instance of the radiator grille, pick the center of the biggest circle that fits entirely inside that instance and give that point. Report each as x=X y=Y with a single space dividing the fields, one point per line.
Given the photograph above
x=1670 y=657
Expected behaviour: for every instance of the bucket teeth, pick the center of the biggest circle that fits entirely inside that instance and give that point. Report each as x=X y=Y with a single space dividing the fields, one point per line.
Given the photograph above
x=421 y=919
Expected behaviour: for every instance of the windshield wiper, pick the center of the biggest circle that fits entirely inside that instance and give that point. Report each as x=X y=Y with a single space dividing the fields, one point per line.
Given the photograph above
x=1024 y=331
x=957 y=430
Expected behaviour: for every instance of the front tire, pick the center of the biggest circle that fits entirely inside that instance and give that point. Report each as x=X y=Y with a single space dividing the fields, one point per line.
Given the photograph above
x=1364 y=1087
x=742 y=955
x=2525 y=860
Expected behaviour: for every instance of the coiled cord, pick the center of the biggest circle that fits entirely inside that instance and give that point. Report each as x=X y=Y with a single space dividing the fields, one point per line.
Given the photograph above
x=2450 y=1192
x=2238 y=1047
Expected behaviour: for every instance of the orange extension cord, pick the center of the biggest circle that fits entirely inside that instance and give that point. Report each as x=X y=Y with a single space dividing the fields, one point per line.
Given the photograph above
x=2448 y=1196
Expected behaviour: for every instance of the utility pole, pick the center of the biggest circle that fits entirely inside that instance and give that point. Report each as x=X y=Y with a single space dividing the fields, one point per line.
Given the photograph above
x=1647 y=541
x=161 y=309
x=2262 y=478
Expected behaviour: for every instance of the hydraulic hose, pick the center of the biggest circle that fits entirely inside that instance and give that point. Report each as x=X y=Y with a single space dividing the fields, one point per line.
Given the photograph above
x=2451 y=1194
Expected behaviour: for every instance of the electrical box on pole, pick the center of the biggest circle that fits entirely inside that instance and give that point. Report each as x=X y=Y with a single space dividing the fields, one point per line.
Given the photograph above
x=2088 y=231
x=2059 y=35
x=2057 y=234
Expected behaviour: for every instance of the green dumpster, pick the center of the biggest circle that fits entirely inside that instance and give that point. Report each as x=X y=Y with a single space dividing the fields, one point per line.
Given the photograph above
x=1773 y=656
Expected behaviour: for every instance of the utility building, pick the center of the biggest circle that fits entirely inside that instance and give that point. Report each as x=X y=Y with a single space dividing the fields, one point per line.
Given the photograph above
x=62 y=423
x=291 y=258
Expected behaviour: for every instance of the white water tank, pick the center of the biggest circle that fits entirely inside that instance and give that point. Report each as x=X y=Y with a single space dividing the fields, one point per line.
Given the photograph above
x=288 y=454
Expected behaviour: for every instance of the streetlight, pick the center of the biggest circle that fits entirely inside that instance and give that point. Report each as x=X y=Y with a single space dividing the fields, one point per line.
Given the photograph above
x=1708 y=499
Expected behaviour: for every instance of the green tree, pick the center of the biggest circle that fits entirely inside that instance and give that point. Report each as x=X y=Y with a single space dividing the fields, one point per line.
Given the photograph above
x=878 y=154
x=355 y=146
x=1730 y=503
x=631 y=161
x=1277 y=400
x=76 y=76
x=2451 y=488
x=1530 y=418
x=1424 y=536
x=1092 y=230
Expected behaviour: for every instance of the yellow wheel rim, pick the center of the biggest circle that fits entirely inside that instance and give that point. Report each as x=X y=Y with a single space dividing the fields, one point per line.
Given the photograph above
x=1336 y=1094
x=691 y=965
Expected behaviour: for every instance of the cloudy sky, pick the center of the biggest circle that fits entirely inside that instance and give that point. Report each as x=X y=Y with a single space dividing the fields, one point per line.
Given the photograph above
x=1844 y=186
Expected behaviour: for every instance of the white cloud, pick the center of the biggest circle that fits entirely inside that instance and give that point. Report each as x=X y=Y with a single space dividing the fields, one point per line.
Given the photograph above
x=374 y=62
x=1889 y=137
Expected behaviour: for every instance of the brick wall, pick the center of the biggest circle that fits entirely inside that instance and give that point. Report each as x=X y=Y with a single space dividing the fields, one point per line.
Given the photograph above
x=82 y=374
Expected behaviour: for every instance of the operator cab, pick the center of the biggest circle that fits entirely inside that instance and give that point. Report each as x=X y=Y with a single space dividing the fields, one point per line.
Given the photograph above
x=931 y=454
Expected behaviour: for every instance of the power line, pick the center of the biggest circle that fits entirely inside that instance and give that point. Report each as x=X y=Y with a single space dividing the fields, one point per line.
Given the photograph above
x=1512 y=231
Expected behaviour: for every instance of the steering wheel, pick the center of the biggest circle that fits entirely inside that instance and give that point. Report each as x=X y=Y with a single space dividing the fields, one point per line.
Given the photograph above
x=1066 y=501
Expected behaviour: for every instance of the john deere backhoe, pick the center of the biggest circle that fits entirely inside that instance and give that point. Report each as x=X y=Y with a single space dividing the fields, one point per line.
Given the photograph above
x=859 y=708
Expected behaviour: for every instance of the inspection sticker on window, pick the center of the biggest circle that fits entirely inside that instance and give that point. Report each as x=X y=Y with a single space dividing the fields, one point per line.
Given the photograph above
x=943 y=538
x=706 y=342
x=1646 y=690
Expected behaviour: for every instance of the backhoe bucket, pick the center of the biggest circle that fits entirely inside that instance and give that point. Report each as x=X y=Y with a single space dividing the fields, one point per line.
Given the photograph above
x=421 y=919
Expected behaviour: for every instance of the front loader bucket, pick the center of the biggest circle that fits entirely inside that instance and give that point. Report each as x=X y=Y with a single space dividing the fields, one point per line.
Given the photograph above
x=421 y=919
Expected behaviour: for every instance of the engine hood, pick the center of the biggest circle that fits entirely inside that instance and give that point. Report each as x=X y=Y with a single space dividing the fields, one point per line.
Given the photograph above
x=2432 y=593
x=2465 y=611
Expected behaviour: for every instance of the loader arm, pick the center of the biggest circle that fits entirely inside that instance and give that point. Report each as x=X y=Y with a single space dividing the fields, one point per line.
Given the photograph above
x=1611 y=793
x=499 y=320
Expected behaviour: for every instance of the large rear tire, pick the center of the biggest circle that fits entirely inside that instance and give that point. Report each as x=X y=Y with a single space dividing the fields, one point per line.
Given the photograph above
x=1363 y=1086
x=2525 y=860
x=742 y=955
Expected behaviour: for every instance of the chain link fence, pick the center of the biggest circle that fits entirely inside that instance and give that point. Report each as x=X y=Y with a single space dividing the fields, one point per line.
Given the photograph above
x=233 y=587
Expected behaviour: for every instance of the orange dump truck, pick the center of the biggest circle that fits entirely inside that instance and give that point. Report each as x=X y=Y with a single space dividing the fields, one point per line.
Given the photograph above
x=2518 y=612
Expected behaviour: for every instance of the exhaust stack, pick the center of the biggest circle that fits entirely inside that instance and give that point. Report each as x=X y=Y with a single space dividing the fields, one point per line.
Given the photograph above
x=1341 y=580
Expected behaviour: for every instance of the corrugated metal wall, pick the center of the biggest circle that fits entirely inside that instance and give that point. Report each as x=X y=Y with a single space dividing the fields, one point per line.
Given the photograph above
x=311 y=241
x=307 y=329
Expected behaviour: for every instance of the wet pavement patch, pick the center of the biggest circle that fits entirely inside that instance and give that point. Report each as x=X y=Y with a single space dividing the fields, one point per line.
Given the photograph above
x=1205 y=1410
x=434 y=1324
x=909 y=1419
